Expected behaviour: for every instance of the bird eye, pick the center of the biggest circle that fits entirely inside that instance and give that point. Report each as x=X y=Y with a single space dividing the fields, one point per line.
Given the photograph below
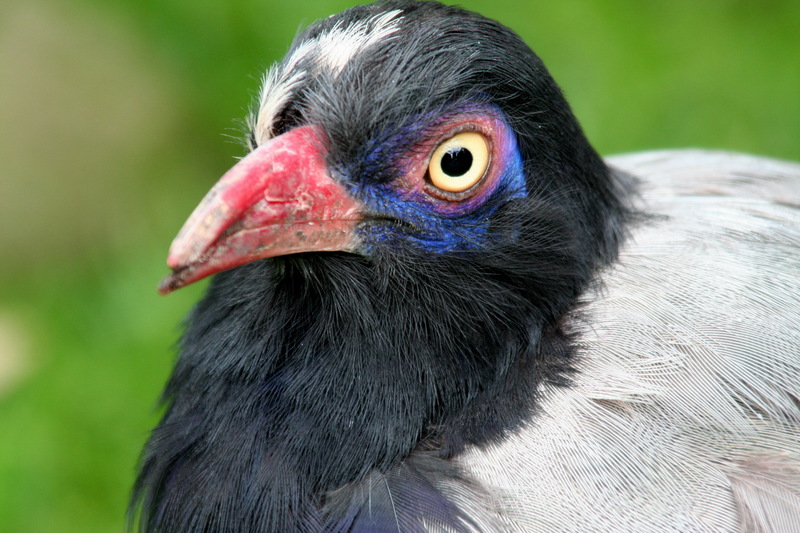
x=459 y=162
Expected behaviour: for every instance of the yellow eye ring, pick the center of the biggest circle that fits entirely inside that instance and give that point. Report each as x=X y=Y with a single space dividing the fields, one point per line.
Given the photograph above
x=459 y=162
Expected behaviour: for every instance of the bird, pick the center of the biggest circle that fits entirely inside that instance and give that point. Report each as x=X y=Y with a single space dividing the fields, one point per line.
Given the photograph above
x=435 y=307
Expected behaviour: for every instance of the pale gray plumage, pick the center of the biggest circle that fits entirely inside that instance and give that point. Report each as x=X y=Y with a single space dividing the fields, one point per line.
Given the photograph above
x=687 y=395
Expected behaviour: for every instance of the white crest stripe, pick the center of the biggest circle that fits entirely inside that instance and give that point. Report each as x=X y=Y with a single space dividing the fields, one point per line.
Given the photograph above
x=331 y=50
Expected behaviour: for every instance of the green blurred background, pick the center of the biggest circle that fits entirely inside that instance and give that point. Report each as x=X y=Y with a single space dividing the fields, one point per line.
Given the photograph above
x=117 y=115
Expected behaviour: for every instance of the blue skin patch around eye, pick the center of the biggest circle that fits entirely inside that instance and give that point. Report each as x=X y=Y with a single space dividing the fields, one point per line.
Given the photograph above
x=412 y=217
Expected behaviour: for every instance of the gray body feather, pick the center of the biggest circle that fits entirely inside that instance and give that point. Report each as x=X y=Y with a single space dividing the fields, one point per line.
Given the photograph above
x=684 y=413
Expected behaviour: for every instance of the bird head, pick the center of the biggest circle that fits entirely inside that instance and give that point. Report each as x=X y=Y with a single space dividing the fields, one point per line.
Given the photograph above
x=409 y=131
x=418 y=211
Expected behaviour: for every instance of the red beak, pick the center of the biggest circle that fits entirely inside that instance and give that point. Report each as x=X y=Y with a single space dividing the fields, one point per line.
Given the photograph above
x=278 y=200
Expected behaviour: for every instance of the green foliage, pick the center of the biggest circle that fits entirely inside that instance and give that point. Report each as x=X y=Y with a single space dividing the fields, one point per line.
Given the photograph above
x=103 y=162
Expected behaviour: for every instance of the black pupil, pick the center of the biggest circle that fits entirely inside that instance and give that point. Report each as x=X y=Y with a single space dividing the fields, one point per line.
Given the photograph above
x=456 y=162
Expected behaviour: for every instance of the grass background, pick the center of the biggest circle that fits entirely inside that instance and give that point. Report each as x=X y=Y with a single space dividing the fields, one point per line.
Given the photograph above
x=117 y=115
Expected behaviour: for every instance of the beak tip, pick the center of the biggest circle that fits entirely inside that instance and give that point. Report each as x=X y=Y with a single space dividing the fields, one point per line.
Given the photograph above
x=168 y=284
x=184 y=274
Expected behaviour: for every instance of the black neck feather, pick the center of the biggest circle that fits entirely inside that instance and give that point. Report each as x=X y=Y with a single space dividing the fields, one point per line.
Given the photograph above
x=302 y=374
